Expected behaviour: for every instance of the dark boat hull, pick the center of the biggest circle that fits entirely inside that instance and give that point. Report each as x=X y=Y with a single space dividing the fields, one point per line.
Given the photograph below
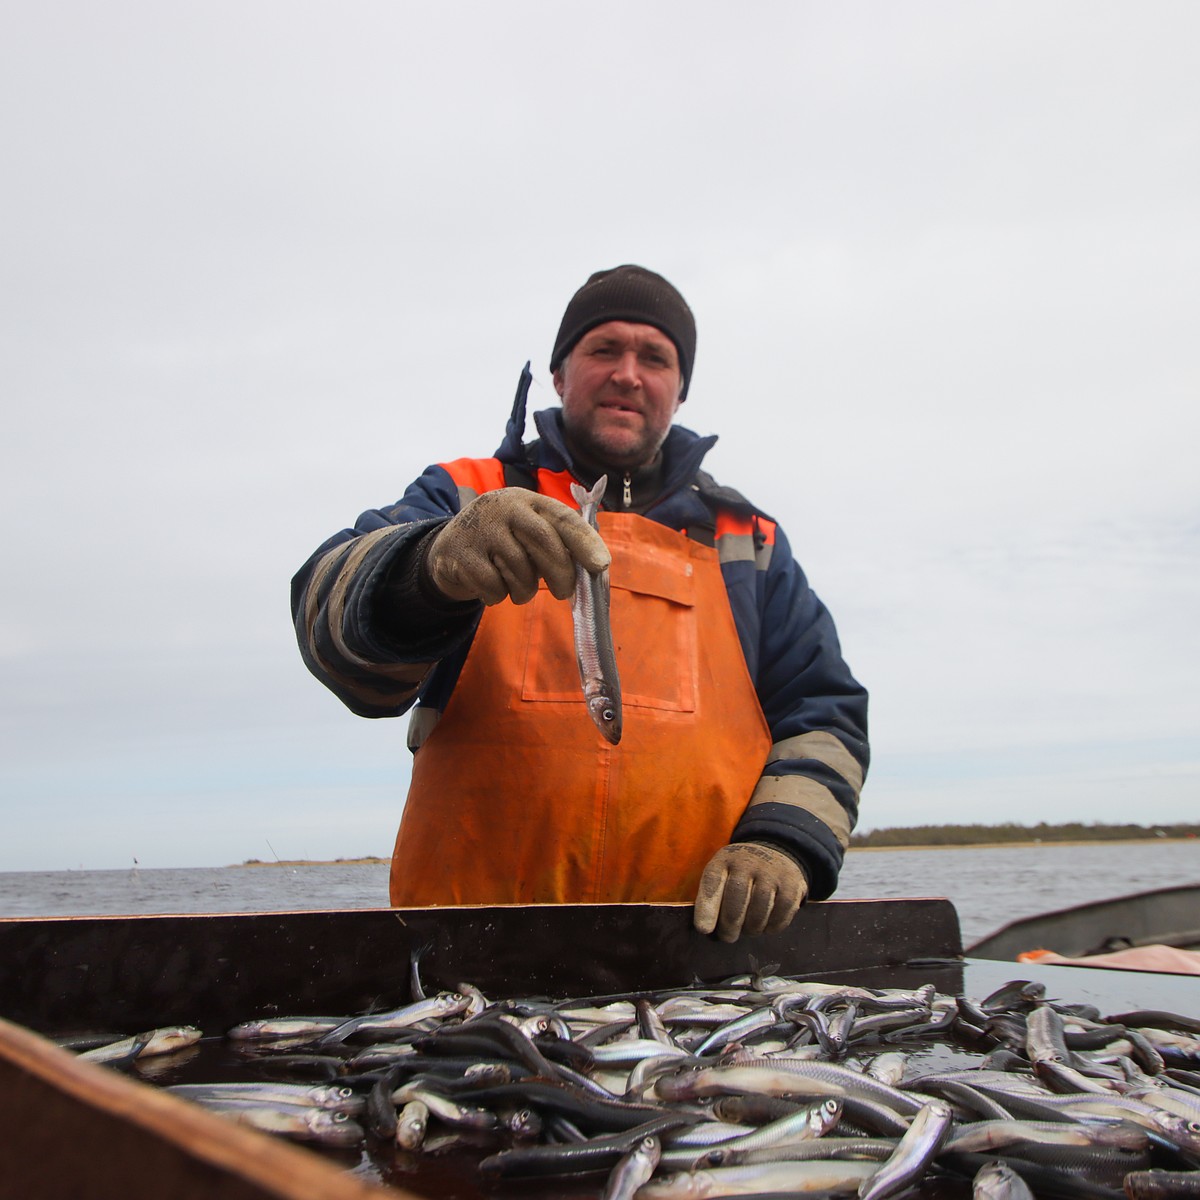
x=1166 y=916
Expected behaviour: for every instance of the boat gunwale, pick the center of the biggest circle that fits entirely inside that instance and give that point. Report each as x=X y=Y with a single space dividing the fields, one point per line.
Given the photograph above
x=132 y=1134
x=1034 y=932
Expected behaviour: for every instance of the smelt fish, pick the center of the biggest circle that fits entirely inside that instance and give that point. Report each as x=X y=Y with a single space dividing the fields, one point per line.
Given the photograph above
x=153 y=1041
x=633 y=1170
x=914 y=1151
x=1162 y=1185
x=593 y=632
x=998 y=1181
x=809 y=1123
x=337 y=1099
x=768 y=1080
x=293 y=1121
x=844 y=1177
x=692 y=1092
x=268 y=1028
x=411 y=1123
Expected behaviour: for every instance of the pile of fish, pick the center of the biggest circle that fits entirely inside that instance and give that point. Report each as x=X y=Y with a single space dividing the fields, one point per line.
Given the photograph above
x=763 y=1084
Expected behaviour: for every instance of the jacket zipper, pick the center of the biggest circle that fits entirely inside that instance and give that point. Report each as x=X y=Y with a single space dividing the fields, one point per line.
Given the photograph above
x=627 y=494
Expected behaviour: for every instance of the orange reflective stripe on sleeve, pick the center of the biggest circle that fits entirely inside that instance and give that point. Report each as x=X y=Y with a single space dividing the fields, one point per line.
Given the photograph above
x=474 y=476
x=742 y=538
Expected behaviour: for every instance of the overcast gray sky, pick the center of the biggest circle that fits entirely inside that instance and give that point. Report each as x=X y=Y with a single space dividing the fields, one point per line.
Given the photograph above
x=264 y=261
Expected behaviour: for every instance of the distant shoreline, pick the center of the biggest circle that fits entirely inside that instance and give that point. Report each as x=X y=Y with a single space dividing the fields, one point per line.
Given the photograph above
x=1044 y=844
x=1028 y=845
x=315 y=862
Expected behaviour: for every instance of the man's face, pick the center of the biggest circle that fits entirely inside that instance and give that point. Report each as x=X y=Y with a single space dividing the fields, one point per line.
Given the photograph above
x=620 y=389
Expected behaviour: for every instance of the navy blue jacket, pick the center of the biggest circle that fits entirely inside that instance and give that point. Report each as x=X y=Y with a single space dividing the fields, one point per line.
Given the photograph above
x=807 y=799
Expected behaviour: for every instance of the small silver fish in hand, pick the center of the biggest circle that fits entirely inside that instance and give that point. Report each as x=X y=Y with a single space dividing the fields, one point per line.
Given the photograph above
x=593 y=632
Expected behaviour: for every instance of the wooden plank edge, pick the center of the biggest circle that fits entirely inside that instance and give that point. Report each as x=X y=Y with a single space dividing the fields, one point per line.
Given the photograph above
x=272 y=1168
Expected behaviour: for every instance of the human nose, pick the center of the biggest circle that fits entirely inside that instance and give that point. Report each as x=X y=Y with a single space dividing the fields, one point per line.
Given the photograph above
x=625 y=370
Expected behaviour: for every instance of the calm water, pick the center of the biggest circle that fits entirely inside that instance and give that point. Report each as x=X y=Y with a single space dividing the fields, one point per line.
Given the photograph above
x=989 y=887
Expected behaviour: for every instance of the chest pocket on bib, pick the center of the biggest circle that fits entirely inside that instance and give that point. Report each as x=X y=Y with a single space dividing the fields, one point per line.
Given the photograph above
x=654 y=632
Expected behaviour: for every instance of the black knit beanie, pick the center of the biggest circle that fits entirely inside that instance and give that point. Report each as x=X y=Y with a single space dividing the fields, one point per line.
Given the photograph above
x=629 y=293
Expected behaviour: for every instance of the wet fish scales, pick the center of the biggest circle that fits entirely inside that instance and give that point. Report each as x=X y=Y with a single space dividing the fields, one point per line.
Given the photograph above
x=545 y=1045
x=594 y=650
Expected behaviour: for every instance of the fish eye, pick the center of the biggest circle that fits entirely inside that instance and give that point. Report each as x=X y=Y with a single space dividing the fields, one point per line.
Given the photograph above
x=609 y=715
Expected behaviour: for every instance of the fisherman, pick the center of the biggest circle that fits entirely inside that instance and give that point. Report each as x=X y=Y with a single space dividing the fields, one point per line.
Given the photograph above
x=736 y=778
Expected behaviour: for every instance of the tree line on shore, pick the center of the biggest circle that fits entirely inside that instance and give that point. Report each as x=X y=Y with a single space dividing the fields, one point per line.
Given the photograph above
x=991 y=835
x=923 y=835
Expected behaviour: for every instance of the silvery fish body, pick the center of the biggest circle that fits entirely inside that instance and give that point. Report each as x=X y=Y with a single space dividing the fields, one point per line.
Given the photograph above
x=756 y=1180
x=914 y=1151
x=634 y=1169
x=153 y=1041
x=998 y=1181
x=1162 y=1185
x=291 y=1120
x=411 y=1124
x=593 y=632
x=334 y=1098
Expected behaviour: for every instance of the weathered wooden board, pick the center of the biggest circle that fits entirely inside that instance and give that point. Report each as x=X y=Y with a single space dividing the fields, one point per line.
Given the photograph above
x=72 y=1129
x=130 y=973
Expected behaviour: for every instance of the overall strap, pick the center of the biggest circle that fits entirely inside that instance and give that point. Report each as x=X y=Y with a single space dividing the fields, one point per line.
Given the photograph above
x=729 y=512
x=520 y=475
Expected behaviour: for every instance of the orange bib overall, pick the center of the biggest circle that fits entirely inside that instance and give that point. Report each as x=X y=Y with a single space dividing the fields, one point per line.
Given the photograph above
x=515 y=796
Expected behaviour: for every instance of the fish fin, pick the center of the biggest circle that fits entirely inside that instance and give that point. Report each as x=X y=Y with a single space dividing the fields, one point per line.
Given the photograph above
x=582 y=496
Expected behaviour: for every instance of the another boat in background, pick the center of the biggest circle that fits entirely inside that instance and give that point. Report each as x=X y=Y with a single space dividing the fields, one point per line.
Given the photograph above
x=1147 y=931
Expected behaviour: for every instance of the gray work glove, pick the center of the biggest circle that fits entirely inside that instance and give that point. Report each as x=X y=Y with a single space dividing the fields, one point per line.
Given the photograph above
x=748 y=888
x=503 y=542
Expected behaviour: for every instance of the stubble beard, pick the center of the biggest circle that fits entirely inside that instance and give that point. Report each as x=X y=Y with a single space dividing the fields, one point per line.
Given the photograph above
x=615 y=450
